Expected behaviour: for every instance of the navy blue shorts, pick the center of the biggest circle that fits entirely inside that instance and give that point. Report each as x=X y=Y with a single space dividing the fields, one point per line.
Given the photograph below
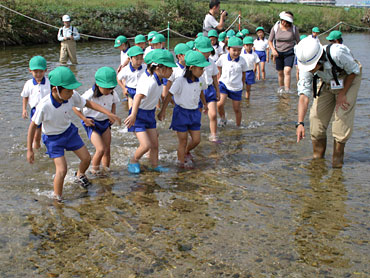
x=250 y=77
x=145 y=119
x=131 y=92
x=210 y=95
x=185 y=119
x=234 y=95
x=285 y=59
x=68 y=140
x=261 y=55
x=32 y=112
x=100 y=127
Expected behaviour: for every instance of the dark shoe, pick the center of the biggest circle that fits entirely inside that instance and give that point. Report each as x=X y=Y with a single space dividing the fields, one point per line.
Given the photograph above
x=82 y=181
x=338 y=154
x=319 y=148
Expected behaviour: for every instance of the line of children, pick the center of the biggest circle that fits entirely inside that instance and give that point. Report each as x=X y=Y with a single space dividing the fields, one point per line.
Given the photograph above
x=252 y=60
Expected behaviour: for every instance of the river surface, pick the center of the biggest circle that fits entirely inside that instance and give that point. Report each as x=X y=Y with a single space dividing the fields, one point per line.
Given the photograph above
x=255 y=206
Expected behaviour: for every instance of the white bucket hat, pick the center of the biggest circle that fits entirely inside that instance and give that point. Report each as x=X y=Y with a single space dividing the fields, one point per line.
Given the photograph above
x=285 y=16
x=66 y=18
x=308 y=52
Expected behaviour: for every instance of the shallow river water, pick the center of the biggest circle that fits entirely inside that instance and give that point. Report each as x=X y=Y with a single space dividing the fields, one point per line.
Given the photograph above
x=255 y=206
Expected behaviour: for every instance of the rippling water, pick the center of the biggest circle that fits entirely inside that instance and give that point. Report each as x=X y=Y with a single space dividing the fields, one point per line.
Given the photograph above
x=255 y=206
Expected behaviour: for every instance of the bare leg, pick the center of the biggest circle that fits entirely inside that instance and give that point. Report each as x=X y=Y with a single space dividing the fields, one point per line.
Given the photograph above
x=60 y=174
x=153 y=152
x=281 y=78
x=287 y=77
x=221 y=105
x=98 y=143
x=262 y=64
x=107 y=138
x=238 y=112
x=194 y=140
x=181 y=149
x=212 y=115
x=248 y=91
x=144 y=146
x=84 y=155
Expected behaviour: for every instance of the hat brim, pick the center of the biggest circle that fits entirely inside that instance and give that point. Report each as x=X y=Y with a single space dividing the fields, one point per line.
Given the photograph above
x=38 y=68
x=311 y=64
x=202 y=64
x=117 y=45
x=140 y=41
x=328 y=38
x=72 y=86
x=169 y=64
x=205 y=50
x=107 y=85
x=286 y=18
x=236 y=46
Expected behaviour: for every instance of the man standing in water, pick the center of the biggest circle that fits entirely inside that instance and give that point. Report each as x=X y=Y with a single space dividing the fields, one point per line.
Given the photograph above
x=68 y=35
x=210 y=22
x=340 y=79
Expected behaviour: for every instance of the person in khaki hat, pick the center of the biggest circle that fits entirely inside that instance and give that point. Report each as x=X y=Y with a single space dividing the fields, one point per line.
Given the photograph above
x=340 y=78
x=68 y=35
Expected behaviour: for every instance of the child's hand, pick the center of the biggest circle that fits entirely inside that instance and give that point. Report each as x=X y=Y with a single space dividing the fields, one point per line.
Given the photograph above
x=89 y=122
x=113 y=118
x=218 y=96
x=24 y=114
x=130 y=121
x=205 y=109
x=161 y=115
x=30 y=156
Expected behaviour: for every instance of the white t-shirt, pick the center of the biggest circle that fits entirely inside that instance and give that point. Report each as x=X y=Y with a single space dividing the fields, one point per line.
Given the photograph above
x=210 y=71
x=177 y=72
x=232 y=71
x=105 y=101
x=218 y=52
x=209 y=23
x=186 y=93
x=250 y=58
x=35 y=92
x=54 y=116
x=147 y=50
x=130 y=75
x=151 y=87
x=124 y=56
x=261 y=45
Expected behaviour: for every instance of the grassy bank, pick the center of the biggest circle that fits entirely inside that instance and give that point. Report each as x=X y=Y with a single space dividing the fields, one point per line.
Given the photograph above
x=130 y=18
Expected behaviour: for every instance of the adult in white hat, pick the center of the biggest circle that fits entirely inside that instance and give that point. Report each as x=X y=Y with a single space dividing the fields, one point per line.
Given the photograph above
x=283 y=37
x=340 y=78
x=68 y=35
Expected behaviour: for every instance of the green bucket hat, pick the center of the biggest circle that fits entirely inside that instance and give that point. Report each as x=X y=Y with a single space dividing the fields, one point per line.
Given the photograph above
x=134 y=51
x=148 y=59
x=151 y=34
x=158 y=38
x=64 y=77
x=260 y=28
x=316 y=29
x=239 y=35
x=195 y=58
x=163 y=57
x=302 y=37
x=190 y=44
x=106 y=77
x=203 y=44
x=235 y=42
x=181 y=48
x=245 y=32
x=334 y=35
x=212 y=33
x=140 y=38
x=230 y=33
x=37 y=63
x=248 y=40
x=200 y=34
x=222 y=36
x=120 y=40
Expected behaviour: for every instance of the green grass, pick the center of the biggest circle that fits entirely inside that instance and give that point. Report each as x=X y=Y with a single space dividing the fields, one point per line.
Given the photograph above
x=88 y=3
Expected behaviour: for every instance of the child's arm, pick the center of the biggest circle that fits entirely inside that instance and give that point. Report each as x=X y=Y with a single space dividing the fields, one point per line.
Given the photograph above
x=219 y=73
x=203 y=99
x=161 y=115
x=243 y=78
x=30 y=135
x=215 y=84
x=87 y=121
x=131 y=119
x=267 y=54
x=97 y=107
x=166 y=89
x=122 y=84
x=24 y=108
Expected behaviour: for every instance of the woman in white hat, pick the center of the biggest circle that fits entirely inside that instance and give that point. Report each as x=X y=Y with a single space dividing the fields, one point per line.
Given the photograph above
x=340 y=79
x=68 y=35
x=283 y=37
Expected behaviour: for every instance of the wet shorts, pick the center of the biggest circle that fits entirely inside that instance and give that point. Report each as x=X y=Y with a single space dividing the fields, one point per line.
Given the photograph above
x=250 y=77
x=100 y=127
x=285 y=59
x=68 y=140
x=234 y=95
x=185 y=119
x=261 y=55
x=145 y=119
x=32 y=112
x=131 y=92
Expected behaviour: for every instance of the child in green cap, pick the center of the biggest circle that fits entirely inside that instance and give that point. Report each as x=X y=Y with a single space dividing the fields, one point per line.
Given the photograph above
x=218 y=51
x=149 y=48
x=186 y=116
x=252 y=60
x=141 y=119
x=97 y=124
x=128 y=77
x=123 y=45
x=59 y=133
x=232 y=69
x=140 y=41
x=315 y=32
x=34 y=90
x=261 y=47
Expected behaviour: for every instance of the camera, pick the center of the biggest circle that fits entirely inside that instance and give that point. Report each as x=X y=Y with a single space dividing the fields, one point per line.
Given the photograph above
x=223 y=11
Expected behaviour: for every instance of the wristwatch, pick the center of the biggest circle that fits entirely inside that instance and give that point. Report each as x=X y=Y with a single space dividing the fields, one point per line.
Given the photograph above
x=297 y=124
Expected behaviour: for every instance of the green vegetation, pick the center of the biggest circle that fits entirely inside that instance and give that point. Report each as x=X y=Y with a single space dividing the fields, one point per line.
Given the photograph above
x=116 y=17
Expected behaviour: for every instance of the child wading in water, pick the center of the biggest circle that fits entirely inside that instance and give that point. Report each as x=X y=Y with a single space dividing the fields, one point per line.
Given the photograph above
x=186 y=117
x=252 y=60
x=128 y=77
x=261 y=47
x=232 y=69
x=212 y=92
x=141 y=119
x=122 y=44
x=59 y=133
x=34 y=90
x=97 y=124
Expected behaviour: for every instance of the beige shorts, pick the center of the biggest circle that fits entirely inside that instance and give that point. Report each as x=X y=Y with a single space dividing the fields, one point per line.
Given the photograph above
x=68 y=50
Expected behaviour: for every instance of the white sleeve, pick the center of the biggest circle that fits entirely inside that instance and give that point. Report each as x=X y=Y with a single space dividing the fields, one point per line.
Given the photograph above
x=115 y=97
x=244 y=65
x=256 y=58
x=304 y=84
x=25 y=91
x=76 y=35
x=60 y=37
x=77 y=100
x=176 y=87
x=122 y=74
x=38 y=117
x=214 y=69
x=203 y=83
x=219 y=61
x=345 y=60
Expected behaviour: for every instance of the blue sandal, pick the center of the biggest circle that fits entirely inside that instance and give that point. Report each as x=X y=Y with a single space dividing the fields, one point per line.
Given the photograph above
x=159 y=169
x=133 y=168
